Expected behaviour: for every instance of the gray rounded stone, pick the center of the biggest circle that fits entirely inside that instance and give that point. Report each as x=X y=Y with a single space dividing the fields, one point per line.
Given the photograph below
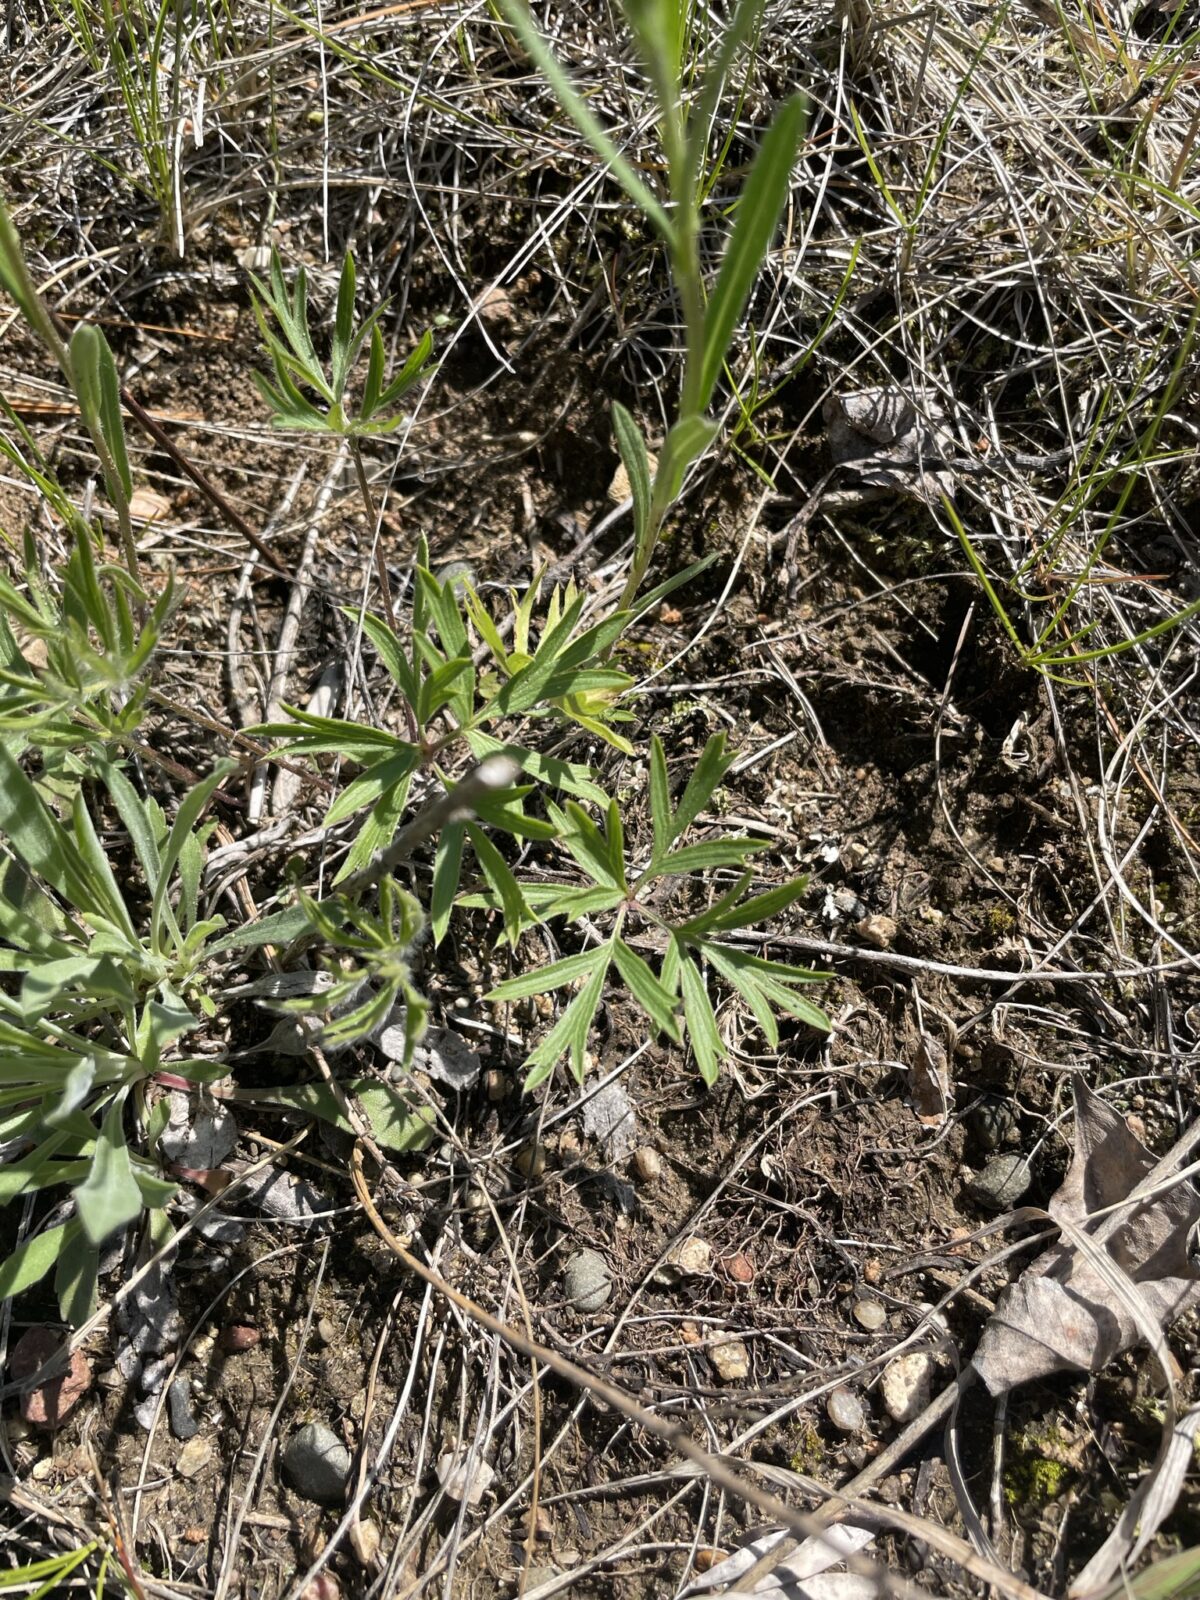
x=993 y=1122
x=1002 y=1182
x=587 y=1281
x=317 y=1464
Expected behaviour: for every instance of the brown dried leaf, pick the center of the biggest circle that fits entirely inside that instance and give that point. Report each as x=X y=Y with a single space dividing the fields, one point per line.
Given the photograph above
x=929 y=1081
x=1064 y=1313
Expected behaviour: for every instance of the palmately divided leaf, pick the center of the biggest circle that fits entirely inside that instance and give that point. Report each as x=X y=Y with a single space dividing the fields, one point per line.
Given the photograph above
x=700 y=1021
x=569 y=1036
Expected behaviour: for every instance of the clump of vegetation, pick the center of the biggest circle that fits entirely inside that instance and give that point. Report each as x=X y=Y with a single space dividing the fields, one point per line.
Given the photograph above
x=110 y=985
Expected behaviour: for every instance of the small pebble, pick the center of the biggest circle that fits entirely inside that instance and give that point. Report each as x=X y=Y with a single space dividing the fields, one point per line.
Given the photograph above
x=196 y=1454
x=730 y=1360
x=496 y=1085
x=870 y=1315
x=543 y=1525
x=905 y=1386
x=364 y=1541
x=691 y=1258
x=326 y=1331
x=739 y=1267
x=531 y=1161
x=239 y=1336
x=50 y=1403
x=587 y=1281
x=992 y=1122
x=323 y=1587
x=845 y=1411
x=647 y=1164
x=1002 y=1182
x=317 y=1464
x=877 y=931
x=179 y=1405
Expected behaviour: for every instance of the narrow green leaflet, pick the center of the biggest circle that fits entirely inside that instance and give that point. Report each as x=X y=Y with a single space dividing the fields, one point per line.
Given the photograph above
x=390 y=652
x=569 y=1036
x=732 y=912
x=447 y=869
x=379 y=779
x=710 y=854
x=632 y=446
x=377 y=831
x=599 y=856
x=700 y=1021
x=715 y=761
x=517 y=915
x=758 y=212
x=555 y=976
x=657 y=1002
x=569 y=776
x=661 y=816
x=750 y=991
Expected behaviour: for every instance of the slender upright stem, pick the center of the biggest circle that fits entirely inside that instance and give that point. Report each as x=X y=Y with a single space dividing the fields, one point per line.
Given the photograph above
x=385 y=588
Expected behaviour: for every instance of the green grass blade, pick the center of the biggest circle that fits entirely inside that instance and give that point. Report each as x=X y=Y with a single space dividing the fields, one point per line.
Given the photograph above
x=758 y=213
x=517 y=12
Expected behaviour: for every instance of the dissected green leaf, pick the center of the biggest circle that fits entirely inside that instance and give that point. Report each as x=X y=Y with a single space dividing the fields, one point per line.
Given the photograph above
x=447 y=868
x=710 y=854
x=700 y=1021
x=657 y=1002
x=546 y=979
x=397 y=1121
x=715 y=761
x=517 y=915
x=569 y=1036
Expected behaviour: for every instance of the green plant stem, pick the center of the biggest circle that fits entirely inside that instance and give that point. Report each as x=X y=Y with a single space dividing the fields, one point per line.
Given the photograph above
x=686 y=267
x=116 y=494
x=385 y=588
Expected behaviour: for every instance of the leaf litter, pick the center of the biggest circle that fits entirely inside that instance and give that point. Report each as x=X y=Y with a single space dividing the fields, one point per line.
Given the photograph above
x=1066 y=1312
x=1120 y=1275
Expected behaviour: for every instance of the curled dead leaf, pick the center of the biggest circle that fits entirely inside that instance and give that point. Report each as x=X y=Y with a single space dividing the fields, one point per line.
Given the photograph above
x=1070 y=1312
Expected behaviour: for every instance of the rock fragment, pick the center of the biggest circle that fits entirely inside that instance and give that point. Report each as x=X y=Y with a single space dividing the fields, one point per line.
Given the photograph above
x=905 y=1386
x=51 y=1402
x=845 y=1411
x=317 y=1464
x=587 y=1280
